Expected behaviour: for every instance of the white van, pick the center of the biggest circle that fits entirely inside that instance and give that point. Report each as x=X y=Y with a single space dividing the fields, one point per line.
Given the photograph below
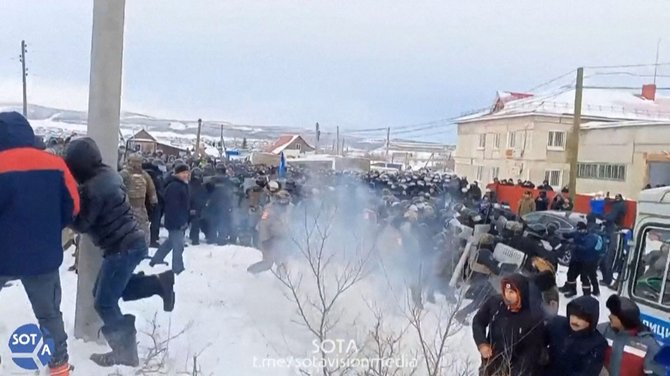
x=647 y=277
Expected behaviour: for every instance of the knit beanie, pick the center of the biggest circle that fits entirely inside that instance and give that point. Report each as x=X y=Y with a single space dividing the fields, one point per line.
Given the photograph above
x=180 y=168
x=625 y=310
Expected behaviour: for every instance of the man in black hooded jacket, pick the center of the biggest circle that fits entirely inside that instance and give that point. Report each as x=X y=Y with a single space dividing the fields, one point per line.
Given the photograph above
x=514 y=340
x=575 y=345
x=106 y=216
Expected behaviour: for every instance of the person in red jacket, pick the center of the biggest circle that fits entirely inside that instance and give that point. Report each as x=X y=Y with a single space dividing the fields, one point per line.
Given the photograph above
x=38 y=196
x=632 y=346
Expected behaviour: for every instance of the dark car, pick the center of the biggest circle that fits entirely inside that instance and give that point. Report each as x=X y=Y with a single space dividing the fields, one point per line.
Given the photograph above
x=566 y=222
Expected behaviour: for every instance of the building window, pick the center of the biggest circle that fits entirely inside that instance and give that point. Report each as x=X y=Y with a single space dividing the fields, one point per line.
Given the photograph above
x=601 y=171
x=511 y=142
x=495 y=172
x=553 y=177
x=482 y=141
x=496 y=141
x=480 y=172
x=298 y=146
x=556 y=140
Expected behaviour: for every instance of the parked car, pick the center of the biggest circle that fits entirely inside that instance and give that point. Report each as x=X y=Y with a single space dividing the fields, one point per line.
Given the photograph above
x=566 y=222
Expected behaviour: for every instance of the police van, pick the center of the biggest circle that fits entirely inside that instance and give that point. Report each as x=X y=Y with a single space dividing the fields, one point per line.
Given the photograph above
x=647 y=277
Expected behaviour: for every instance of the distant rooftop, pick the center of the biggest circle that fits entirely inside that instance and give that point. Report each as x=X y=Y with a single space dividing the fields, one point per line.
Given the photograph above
x=602 y=104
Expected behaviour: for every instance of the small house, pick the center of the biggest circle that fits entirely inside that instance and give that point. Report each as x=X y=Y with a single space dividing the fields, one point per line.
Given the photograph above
x=291 y=145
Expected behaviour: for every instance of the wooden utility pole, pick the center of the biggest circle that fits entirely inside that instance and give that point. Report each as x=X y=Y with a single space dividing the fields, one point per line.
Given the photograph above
x=388 y=142
x=197 y=138
x=573 y=139
x=337 y=141
x=25 y=76
x=104 y=109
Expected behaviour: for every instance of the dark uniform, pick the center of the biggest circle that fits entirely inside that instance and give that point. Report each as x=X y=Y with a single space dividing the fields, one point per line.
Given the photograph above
x=198 y=202
x=219 y=206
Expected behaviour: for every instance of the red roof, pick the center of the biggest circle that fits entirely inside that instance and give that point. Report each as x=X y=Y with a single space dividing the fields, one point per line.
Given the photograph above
x=281 y=141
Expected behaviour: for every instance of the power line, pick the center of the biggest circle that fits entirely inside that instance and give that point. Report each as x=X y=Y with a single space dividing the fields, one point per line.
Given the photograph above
x=625 y=66
x=552 y=80
x=621 y=87
x=626 y=73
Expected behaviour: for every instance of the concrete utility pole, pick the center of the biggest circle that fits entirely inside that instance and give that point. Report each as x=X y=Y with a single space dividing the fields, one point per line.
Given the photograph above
x=221 y=150
x=573 y=140
x=318 y=138
x=197 y=138
x=25 y=76
x=337 y=142
x=104 y=110
x=388 y=142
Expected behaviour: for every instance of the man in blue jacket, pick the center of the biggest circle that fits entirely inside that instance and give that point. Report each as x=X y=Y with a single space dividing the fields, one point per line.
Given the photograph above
x=38 y=196
x=584 y=262
x=177 y=211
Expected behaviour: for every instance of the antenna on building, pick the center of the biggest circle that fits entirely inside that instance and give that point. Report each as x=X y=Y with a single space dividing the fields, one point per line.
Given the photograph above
x=658 y=49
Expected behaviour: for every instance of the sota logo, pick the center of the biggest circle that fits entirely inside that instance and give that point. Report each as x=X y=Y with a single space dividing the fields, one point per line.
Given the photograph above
x=30 y=349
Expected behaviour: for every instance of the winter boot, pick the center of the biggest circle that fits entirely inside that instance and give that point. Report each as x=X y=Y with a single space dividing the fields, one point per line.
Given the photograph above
x=122 y=338
x=142 y=286
x=567 y=287
x=572 y=290
x=166 y=281
x=261 y=266
x=595 y=291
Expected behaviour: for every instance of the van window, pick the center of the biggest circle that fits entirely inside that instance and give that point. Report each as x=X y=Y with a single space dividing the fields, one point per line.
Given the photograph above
x=651 y=277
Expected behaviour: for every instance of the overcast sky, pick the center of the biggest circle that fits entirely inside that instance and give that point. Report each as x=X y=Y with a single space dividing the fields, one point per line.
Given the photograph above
x=358 y=63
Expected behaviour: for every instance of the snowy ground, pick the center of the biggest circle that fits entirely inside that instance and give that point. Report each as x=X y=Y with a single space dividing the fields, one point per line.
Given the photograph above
x=234 y=319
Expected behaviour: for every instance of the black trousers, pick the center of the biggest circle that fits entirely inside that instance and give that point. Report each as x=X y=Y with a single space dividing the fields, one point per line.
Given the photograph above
x=155 y=219
x=574 y=269
x=194 y=233
x=587 y=273
x=589 y=276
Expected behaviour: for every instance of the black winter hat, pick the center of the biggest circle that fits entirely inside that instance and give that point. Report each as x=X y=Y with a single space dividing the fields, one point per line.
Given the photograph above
x=625 y=310
x=180 y=168
x=585 y=307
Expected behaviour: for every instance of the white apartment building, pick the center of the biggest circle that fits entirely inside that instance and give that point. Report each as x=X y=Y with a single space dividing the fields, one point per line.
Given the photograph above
x=523 y=136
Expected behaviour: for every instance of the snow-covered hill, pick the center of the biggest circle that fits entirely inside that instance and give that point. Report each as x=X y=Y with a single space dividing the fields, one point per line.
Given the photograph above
x=70 y=120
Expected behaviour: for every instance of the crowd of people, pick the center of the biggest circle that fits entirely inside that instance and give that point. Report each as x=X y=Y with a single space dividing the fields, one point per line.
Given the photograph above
x=422 y=216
